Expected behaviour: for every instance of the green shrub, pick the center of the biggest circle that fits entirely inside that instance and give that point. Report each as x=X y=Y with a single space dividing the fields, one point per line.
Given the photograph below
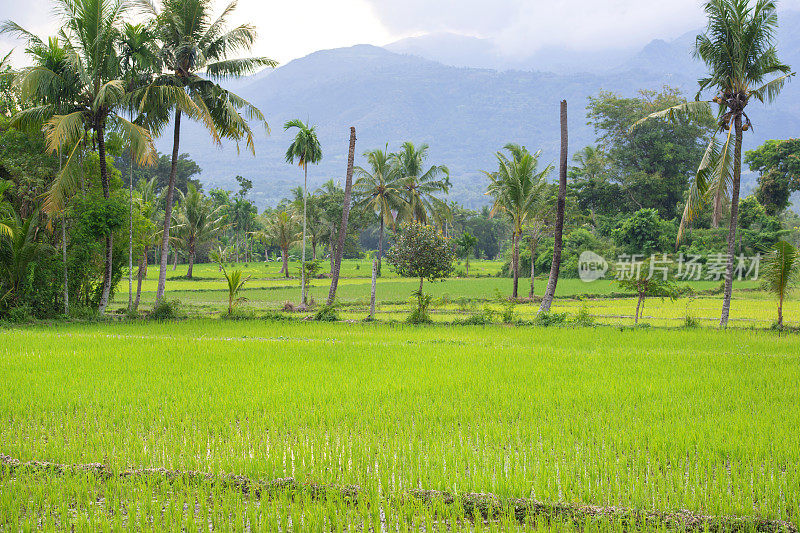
x=165 y=310
x=550 y=319
x=327 y=313
x=420 y=314
x=583 y=317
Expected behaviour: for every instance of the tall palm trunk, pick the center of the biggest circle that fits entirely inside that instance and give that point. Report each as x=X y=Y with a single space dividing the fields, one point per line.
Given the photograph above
x=533 y=270
x=380 y=246
x=515 y=265
x=285 y=257
x=101 y=148
x=348 y=186
x=737 y=176
x=191 y=258
x=130 y=240
x=64 y=248
x=550 y=291
x=174 y=258
x=162 y=273
x=303 y=253
x=139 y=276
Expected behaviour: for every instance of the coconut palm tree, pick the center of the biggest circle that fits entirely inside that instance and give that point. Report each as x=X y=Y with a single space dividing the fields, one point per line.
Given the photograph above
x=378 y=190
x=420 y=186
x=781 y=272
x=90 y=32
x=280 y=228
x=738 y=47
x=147 y=199
x=20 y=247
x=305 y=149
x=516 y=187
x=139 y=61
x=198 y=221
x=195 y=49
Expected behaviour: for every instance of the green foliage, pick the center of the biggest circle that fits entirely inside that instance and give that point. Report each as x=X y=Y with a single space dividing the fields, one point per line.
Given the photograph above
x=326 y=313
x=421 y=252
x=165 y=310
x=781 y=272
x=583 y=317
x=547 y=319
x=778 y=165
x=645 y=233
x=420 y=313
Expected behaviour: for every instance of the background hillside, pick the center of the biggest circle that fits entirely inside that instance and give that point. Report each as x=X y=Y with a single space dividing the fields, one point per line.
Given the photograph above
x=456 y=94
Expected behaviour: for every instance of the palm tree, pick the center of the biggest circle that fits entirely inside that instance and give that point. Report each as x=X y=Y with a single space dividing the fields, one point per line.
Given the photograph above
x=280 y=228
x=198 y=222
x=58 y=96
x=420 y=186
x=305 y=149
x=348 y=189
x=147 y=199
x=90 y=31
x=781 y=273
x=738 y=47
x=555 y=266
x=195 y=49
x=20 y=247
x=516 y=187
x=139 y=62
x=379 y=190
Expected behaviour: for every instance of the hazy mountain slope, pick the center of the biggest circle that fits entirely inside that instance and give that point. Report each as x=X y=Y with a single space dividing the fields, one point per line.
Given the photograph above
x=465 y=114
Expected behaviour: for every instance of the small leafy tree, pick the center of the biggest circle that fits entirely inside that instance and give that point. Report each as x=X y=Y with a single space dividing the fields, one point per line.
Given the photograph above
x=780 y=273
x=644 y=284
x=421 y=252
x=465 y=247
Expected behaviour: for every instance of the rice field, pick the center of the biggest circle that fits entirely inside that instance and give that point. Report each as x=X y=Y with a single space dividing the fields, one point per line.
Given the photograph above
x=273 y=423
x=653 y=420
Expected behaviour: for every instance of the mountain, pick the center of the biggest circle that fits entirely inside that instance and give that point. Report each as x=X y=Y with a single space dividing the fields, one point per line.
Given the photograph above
x=464 y=113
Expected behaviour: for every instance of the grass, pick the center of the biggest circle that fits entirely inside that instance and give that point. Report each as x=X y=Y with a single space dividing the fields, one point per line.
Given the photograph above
x=649 y=419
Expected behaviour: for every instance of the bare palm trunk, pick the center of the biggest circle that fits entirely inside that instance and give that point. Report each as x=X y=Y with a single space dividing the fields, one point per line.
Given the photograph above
x=533 y=271
x=64 y=249
x=130 y=240
x=174 y=258
x=780 y=311
x=101 y=148
x=64 y=255
x=285 y=256
x=638 y=307
x=372 y=292
x=191 y=258
x=139 y=277
x=162 y=273
x=550 y=291
x=737 y=176
x=313 y=248
x=515 y=265
x=348 y=186
x=303 y=253
x=380 y=246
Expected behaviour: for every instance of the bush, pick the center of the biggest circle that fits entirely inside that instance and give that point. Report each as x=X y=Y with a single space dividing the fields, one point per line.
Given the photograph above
x=550 y=319
x=327 y=313
x=484 y=318
x=420 y=314
x=20 y=314
x=165 y=310
x=583 y=317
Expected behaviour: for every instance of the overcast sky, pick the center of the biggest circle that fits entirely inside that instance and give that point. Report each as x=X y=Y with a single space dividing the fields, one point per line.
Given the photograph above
x=293 y=28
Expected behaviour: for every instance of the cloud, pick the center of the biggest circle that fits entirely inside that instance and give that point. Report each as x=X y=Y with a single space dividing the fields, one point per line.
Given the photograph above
x=525 y=26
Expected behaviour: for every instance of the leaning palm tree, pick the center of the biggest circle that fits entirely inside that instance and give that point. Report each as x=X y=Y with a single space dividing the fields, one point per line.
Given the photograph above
x=90 y=32
x=196 y=49
x=517 y=187
x=420 y=186
x=198 y=221
x=378 y=190
x=738 y=48
x=305 y=149
x=781 y=272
